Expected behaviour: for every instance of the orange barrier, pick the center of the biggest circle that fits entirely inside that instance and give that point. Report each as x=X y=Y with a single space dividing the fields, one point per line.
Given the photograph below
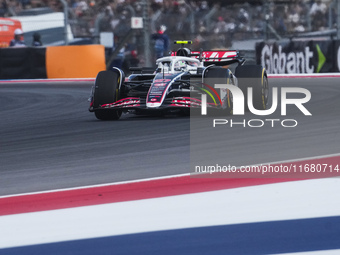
x=79 y=61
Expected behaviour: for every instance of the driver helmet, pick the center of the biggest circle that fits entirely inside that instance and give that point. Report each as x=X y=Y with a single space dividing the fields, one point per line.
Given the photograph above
x=180 y=65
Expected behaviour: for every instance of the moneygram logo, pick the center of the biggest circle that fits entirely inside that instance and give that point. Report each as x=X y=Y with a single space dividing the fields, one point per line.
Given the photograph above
x=239 y=106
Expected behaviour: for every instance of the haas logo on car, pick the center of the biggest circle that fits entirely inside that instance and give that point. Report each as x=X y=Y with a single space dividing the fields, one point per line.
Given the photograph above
x=216 y=55
x=213 y=55
x=160 y=84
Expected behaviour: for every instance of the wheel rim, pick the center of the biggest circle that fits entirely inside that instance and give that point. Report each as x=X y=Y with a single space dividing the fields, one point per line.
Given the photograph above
x=265 y=90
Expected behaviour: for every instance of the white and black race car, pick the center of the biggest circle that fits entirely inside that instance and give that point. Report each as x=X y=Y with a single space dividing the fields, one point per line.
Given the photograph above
x=177 y=84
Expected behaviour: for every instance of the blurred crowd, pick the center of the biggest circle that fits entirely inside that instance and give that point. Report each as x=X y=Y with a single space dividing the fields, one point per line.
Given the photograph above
x=208 y=21
x=181 y=16
x=203 y=21
x=240 y=20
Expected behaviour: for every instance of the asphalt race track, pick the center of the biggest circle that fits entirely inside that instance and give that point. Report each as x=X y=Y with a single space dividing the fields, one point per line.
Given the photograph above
x=49 y=140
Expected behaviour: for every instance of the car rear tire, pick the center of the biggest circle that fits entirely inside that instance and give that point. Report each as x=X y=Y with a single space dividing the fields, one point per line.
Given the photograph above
x=218 y=75
x=106 y=92
x=253 y=76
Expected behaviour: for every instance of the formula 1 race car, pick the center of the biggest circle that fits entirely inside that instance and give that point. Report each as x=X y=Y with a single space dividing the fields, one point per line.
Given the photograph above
x=177 y=85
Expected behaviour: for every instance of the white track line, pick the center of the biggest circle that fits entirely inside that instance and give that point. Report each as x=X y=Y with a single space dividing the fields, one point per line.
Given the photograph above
x=48 y=80
x=305 y=75
x=305 y=199
x=159 y=178
x=322 y=252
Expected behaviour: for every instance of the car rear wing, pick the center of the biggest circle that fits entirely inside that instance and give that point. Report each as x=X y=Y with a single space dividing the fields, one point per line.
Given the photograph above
x=216 y=57
x=219 y=58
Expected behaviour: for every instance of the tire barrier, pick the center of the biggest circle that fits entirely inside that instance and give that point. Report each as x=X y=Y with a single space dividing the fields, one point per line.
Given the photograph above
x=83 y=61
x=22 y=63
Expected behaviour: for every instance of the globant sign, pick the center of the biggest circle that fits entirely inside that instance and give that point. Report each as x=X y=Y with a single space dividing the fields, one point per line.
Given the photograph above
x=287 y=62
x=295 y=57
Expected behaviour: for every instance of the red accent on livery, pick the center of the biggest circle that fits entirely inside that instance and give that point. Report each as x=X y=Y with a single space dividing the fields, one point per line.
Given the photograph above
x=186 y=102
x=219 y=54
x=216 y=55
x=158 y=88
x=125 y=102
